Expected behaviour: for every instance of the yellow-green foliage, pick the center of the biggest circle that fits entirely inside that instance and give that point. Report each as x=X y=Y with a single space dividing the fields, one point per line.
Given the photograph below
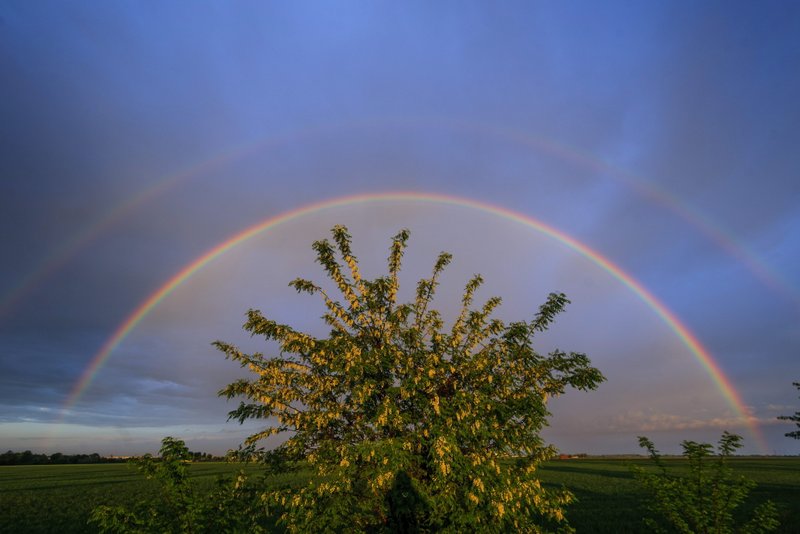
x=391 y=404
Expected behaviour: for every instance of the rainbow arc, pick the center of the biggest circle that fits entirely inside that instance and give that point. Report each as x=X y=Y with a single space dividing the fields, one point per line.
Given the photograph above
x=62 y=254
x=701 y=354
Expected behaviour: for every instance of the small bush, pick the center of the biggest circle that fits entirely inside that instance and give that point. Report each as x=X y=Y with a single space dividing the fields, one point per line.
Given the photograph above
x=234 y=506
x=703 y=501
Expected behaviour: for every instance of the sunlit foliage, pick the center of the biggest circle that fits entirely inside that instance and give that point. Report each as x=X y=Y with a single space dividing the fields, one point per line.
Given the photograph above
x=409 y=426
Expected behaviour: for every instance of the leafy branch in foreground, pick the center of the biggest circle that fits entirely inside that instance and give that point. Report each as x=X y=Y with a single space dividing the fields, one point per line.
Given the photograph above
x=407 y=424
x=796 y=418
x=703 y=501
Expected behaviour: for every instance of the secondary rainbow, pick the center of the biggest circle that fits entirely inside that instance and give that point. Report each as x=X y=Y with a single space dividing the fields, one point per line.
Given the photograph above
x=62 y=254
x=686 y=336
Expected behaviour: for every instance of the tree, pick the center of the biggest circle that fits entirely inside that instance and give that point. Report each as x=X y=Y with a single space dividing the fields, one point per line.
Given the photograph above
x=796 y=418
x=705 y=500
x=407 y=425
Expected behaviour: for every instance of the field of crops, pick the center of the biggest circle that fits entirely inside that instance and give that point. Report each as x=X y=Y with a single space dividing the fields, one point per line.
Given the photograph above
x=59 y=498
x=610 y=500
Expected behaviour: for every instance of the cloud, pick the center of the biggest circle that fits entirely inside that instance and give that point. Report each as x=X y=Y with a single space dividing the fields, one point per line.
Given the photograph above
x=637 y=421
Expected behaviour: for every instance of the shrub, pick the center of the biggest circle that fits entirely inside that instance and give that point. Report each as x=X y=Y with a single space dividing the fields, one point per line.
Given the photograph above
x=703 y=501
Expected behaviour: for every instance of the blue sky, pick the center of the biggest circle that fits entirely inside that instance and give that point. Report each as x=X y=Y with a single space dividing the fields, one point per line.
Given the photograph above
x=661 y=135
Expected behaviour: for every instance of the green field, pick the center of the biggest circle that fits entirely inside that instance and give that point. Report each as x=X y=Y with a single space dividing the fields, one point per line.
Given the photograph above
x=610 y=500
x=59 y=498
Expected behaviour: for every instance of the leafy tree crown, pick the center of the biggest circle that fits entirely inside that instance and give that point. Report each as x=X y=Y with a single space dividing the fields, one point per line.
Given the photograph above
x=391 y=403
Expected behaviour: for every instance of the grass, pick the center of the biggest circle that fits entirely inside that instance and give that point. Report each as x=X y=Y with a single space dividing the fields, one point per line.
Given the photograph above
x=59 y=498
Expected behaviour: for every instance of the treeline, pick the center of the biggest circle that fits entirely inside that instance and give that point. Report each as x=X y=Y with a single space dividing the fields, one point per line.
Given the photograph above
x=204 y=457
x=29 y=458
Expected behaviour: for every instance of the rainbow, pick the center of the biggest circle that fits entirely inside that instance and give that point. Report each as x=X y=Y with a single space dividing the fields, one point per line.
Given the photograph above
x=62 y=254
x=67 y=250
x=702 y=355
x=713 y=232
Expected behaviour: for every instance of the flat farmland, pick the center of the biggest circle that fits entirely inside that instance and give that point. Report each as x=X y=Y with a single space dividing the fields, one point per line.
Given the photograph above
x=611 y=501
x=59 y=498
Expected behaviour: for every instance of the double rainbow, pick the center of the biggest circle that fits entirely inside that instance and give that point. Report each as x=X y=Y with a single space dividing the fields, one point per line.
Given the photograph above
x=702 y=355
x=62 y=254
